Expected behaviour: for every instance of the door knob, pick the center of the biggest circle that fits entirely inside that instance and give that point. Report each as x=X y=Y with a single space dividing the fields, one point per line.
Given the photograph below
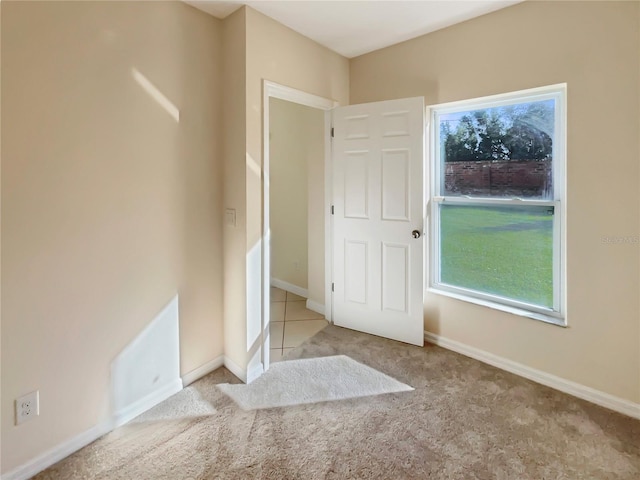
x=415 y=234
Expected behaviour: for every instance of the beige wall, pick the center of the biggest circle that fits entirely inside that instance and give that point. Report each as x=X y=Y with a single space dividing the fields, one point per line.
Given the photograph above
x=316 y=205
x=276 y=53
x=234 y=147
x=595 y=48
x=0 y=238
x=288 y=132
x=296 y=175
x=109 y=206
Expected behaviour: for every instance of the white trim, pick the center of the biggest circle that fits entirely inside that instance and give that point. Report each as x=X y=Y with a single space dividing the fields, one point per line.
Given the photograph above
x=201 y=371
x=138 y=407
x=242 y=373
x=266 y=228
x=290 y=287
x=558 y=314
x=501 y=304
x=328 y=218
x=500 y=99
x=589 y=394
x=57 y=453
x=254 y=373
x=315 y=306
x=234 y=368
x=510 y=202
x=67 y=447
x=275 y=90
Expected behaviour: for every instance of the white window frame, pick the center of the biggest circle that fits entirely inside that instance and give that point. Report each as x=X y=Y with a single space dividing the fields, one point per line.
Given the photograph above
x=557 y=314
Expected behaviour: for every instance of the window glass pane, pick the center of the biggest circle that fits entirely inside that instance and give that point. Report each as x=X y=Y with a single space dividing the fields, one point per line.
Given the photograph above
x=504 y=251
x=504 y=152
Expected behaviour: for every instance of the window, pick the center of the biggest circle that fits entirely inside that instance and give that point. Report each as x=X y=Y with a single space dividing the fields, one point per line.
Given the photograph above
x=497 y=200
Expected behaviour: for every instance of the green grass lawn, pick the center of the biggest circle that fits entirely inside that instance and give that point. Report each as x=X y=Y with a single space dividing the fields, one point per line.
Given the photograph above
x=504 y=251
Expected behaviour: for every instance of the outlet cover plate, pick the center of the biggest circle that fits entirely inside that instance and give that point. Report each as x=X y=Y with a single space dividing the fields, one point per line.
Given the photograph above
x=27 y=407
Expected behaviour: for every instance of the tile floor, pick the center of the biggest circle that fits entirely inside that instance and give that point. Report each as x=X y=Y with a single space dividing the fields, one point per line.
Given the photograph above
x=291 y=322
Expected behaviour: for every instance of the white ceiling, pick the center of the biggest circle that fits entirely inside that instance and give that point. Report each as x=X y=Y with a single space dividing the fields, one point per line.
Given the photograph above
x=352 y=28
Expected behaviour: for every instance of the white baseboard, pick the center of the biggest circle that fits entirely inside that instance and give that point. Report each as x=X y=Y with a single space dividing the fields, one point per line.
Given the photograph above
x=119 y=418
x=234 y=368
x=242 y=373
x=198 y=373
x=254 y=373
x=132 y=411
x=66 y=448
x=592 y=395
x=315 y=306
x=290 y=287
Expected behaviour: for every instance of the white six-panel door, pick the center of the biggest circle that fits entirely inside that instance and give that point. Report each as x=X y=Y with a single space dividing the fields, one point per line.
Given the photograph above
x=378 y=276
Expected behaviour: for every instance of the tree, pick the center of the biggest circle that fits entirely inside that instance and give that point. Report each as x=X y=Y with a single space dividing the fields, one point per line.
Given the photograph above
x=530 y=135
x=461 y=145
x=514 y=132
x=491 y=127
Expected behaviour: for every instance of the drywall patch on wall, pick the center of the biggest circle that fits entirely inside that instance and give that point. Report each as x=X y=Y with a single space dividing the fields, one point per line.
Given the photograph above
x=148 y=369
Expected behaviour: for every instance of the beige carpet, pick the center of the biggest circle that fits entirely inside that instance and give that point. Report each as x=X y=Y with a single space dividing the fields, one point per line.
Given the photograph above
x=464 y=420
x=312 y=380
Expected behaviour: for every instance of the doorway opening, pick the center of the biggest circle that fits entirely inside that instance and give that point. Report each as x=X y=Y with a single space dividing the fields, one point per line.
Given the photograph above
x=296 y=229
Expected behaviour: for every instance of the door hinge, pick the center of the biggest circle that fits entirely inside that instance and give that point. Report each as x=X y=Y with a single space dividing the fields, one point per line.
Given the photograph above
x=333 y=286
x=332 y=132
x=333 y=210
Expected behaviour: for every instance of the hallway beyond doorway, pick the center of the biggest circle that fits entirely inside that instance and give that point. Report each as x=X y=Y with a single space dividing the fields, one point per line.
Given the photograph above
x=291 y=322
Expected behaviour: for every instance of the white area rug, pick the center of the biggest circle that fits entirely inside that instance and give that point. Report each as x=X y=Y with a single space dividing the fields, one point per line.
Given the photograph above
x=312 y=380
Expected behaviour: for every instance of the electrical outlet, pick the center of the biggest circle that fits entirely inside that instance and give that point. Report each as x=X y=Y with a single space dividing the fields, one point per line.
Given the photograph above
x=27 y=407
x=296 y=265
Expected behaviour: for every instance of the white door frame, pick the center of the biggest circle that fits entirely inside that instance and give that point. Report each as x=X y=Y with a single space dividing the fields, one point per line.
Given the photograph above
x=275 y=90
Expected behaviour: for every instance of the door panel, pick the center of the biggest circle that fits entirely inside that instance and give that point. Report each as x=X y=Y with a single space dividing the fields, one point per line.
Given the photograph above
x=395 y=184
x=395 y=281
x=356 y=185
x=378 y=201
x=356 y=259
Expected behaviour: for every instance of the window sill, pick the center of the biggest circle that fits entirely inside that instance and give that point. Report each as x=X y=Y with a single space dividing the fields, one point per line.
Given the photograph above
x=553 y=320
